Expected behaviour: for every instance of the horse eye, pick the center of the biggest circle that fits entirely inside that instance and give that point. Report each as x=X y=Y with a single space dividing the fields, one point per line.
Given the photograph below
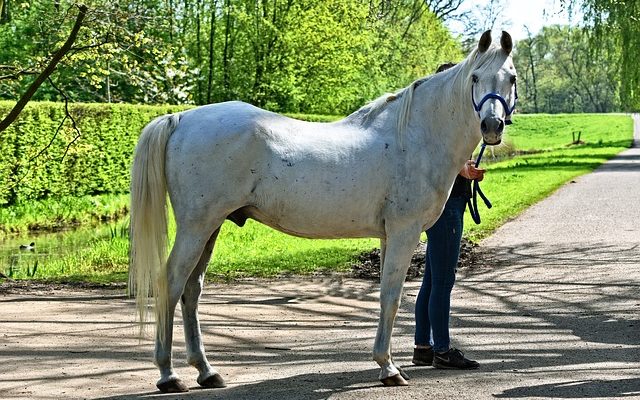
x=474 y=78
x=513 y=80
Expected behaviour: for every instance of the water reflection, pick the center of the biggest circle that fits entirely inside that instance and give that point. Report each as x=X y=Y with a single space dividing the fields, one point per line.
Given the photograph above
x=34 y=255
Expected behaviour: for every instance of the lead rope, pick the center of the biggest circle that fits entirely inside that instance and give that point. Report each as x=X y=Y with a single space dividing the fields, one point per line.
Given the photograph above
x=473 y=205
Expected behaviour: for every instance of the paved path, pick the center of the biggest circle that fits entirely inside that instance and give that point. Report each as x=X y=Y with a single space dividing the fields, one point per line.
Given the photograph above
x=554 y=312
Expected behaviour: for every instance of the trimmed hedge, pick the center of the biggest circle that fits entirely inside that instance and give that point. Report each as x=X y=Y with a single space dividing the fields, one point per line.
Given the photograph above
x=98 y=162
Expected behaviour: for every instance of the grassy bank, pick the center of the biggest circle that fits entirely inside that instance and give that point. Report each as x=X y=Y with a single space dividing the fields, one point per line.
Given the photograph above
x=55 y=214
x=512 y=184
x=515 y=183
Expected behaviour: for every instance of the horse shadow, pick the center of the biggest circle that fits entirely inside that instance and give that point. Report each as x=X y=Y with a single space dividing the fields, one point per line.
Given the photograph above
x=312 y=386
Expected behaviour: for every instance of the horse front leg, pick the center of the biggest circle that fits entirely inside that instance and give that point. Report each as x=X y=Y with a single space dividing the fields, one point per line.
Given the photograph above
x=397 y=256
x=208 y=376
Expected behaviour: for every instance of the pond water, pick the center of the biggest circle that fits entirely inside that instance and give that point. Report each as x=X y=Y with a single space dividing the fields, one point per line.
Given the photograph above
x=30 y=255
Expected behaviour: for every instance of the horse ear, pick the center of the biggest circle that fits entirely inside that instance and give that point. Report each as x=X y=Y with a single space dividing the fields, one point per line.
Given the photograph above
x=506 y=42
x=485 y=41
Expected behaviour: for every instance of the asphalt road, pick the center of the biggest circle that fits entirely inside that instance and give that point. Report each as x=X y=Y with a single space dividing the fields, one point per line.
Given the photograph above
x=551 y=311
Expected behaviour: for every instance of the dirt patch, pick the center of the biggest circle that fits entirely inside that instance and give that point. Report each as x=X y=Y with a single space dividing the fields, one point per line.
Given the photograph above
x=368 y=265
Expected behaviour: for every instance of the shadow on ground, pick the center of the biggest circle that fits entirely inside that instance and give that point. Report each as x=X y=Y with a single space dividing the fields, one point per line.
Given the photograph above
x=548 y=335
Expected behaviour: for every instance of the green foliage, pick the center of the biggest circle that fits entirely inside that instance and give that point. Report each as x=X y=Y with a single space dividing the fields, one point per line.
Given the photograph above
x=39 y=161
x=557 y=72
x=616 y=32
x=62 y=212
x=49 y=180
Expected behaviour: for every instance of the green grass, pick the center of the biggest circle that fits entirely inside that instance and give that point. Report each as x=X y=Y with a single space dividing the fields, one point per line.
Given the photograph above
x=554 y=131
x=101 y=255
x=257 y=251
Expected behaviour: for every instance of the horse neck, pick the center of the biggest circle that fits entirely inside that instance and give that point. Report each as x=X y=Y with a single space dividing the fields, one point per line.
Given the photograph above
x=442 y=110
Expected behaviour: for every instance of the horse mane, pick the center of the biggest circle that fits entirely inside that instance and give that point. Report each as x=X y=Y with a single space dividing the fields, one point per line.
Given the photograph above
x=375 y=107
x=403 y=98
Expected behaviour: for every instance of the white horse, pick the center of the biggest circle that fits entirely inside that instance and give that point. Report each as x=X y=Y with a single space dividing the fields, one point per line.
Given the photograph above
x=384 y=171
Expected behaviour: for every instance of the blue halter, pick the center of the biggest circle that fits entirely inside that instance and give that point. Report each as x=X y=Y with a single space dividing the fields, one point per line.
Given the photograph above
x=473 y=202
x=497 y=96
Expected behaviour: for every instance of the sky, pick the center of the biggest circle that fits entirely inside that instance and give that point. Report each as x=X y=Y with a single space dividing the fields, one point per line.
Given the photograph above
x=533 y=14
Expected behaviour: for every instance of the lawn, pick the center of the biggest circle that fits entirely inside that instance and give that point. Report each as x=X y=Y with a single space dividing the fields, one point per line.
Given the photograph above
x=513 y=183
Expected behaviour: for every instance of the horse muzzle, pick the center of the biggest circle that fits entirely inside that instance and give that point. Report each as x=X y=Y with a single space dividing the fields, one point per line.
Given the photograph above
x=491 y=129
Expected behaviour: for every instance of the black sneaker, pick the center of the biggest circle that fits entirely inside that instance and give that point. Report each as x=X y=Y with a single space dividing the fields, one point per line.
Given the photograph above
x=453 y=359
x=423 y=357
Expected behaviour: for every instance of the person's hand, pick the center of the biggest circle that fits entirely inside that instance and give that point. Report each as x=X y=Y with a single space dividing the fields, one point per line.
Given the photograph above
x=470 y=171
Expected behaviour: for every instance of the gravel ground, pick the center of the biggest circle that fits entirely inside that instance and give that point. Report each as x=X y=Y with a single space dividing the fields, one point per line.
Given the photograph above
x=550 y=308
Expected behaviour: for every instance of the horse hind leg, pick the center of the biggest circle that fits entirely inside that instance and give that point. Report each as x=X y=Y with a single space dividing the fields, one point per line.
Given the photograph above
x=208 y=376
x=185 y=256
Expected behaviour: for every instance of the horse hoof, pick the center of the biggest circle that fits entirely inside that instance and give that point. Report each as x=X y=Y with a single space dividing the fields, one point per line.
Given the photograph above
x=394 y=380
x=214 y=381
x=173 y=386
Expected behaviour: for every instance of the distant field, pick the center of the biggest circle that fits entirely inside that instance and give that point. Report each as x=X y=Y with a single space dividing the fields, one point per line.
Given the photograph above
x=555 y=131
x=512 y=184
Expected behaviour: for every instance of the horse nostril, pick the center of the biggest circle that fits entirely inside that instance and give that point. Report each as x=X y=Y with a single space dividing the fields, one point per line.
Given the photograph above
x=500 y=127
x=483 y=126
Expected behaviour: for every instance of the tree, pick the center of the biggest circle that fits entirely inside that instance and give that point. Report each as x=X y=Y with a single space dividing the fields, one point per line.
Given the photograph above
x=529 y=51
x=618 y=21
x=44 y=75
x=286 y=55
x=558 y=73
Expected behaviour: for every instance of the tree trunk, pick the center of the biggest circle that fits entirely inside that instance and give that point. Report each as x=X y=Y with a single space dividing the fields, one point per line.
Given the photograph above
x=212 y=34
x=533 y=76
x=198 y=53
x=225 y=54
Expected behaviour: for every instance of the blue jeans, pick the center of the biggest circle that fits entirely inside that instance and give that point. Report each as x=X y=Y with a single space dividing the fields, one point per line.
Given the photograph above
x=434 y=299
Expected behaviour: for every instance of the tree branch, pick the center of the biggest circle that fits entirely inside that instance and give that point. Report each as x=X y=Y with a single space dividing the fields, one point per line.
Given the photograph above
x=67 y=115
x=17 y=74
x=57 y=56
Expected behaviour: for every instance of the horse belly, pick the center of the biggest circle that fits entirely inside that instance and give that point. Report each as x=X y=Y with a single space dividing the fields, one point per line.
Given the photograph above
x=322 y=211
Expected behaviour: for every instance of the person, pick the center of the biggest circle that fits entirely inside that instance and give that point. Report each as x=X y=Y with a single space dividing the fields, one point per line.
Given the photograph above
x=433 y=304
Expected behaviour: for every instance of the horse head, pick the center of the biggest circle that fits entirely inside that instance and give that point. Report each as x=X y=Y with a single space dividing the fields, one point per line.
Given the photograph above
x=493 y=81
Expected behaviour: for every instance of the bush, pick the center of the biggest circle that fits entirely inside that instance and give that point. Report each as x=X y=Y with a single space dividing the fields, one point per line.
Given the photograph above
x=38 y=163
x=97 y=162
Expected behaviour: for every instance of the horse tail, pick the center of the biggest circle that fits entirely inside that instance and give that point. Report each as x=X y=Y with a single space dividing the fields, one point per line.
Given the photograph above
x=148 y=226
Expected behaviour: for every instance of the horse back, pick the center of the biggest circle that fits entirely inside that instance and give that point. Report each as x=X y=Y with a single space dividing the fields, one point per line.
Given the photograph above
x=308 y=179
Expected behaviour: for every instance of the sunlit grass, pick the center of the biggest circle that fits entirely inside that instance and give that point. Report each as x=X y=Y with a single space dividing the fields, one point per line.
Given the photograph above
x=256 y=250
x=554 y=131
